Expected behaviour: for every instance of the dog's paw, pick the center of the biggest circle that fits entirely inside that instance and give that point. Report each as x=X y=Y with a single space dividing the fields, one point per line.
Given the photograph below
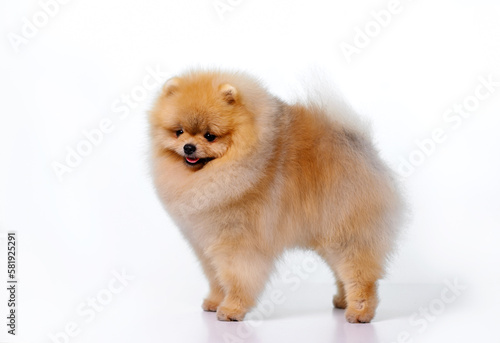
x=359 y=312
x=339 y=302
x=210 y=305
x=229 y=314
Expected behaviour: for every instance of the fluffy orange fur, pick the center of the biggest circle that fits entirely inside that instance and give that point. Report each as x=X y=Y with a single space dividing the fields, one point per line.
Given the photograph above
x=270 y=176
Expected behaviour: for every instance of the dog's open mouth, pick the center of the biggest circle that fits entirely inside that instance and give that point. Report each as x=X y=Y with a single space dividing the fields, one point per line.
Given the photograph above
x=190 y=161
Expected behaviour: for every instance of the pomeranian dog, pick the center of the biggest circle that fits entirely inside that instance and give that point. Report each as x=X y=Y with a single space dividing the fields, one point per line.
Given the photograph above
x=245 y=176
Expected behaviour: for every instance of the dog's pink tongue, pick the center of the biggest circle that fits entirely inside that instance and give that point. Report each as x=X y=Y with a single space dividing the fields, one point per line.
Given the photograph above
x=190 y=160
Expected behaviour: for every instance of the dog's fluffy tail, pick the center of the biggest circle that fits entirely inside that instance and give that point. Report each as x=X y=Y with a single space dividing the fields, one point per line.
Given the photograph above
x=316 y=90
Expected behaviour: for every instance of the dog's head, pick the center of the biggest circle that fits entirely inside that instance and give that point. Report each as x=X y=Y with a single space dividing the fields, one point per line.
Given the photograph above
x=200 y=117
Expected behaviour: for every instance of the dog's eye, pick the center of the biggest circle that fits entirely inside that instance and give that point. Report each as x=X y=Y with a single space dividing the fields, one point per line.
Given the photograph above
x=209 y=137
x=179 y=132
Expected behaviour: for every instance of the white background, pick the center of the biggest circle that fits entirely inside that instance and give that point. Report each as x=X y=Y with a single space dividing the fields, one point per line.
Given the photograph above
x=103 y=217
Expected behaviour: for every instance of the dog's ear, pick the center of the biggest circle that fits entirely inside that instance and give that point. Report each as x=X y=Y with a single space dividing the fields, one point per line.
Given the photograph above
x=229 y=93
x=171 y=86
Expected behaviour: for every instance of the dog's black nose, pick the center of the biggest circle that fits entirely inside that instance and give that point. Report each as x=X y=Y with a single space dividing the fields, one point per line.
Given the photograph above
x=189 y=149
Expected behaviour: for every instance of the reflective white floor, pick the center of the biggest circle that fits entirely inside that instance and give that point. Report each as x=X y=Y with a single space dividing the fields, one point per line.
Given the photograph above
x=407 y=313
x=147 y=310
